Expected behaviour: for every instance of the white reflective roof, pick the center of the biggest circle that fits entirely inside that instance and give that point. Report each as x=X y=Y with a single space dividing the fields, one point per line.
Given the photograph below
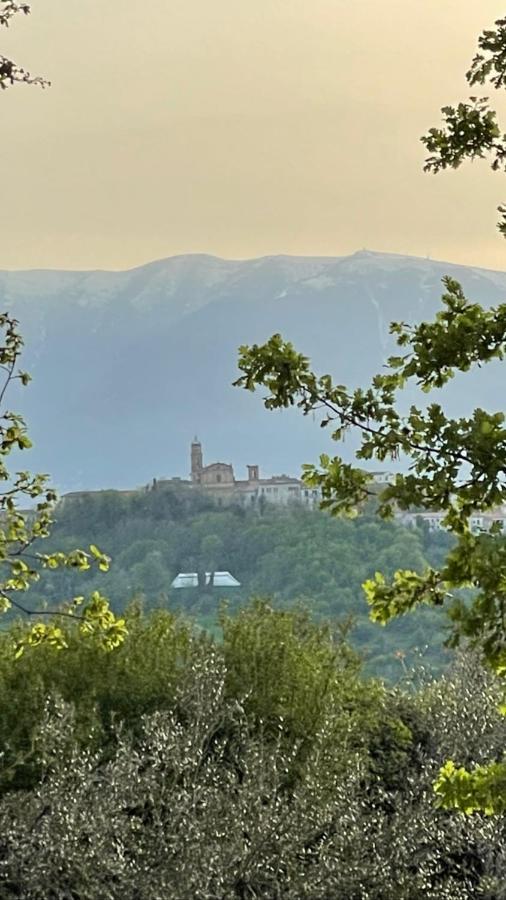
x=190 y=579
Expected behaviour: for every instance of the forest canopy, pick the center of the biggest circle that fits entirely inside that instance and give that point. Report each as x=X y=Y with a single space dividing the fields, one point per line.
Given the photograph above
x=293 y=556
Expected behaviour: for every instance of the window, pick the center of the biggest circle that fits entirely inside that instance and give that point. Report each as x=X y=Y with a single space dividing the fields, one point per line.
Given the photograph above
x=218 y=478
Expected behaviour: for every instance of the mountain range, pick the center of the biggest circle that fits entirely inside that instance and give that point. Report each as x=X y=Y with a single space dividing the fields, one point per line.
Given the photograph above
x=129 y=366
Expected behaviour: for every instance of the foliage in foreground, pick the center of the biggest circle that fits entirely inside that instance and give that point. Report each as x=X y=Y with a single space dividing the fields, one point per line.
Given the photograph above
x=10 y=72
x=259 y=767
x=280 y=667
x=456 y=465
x=21 y=531
x=470 y=130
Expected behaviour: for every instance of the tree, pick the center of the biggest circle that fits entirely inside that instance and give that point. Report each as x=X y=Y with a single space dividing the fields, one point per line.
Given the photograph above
x=454 y=465
x=21 y=531
x=211 y=551
x=260 y=766
x=10 y=72
x=471 y=130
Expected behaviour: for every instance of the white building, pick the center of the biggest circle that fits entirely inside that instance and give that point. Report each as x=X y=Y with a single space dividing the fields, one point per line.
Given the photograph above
x=479 y=521
x=191 y=580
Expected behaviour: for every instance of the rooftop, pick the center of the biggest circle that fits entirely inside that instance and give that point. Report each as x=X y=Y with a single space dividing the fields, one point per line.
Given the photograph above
x=190 y=579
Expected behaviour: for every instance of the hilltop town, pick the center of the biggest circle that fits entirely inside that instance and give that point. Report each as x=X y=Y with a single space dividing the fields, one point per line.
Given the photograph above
x=218 y=480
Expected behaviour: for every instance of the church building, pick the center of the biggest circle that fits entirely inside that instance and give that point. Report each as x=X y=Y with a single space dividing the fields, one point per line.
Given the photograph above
x=218 y=480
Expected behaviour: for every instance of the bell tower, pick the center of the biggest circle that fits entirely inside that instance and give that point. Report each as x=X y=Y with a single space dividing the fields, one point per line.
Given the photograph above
x=196 y=461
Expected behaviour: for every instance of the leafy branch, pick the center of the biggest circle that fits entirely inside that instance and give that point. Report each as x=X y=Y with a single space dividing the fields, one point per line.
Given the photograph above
x=471 y=130
x=457 y=466
x=21 y=530
x=10 y=72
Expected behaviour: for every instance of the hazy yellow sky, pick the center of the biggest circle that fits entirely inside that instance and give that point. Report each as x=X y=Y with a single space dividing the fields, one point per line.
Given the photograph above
x=239 y=128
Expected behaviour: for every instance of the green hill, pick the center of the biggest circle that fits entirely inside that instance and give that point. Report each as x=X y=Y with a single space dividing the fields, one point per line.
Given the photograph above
x=293 y=556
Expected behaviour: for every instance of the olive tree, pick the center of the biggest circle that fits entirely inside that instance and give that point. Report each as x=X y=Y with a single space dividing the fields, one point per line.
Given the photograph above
x=198 y=806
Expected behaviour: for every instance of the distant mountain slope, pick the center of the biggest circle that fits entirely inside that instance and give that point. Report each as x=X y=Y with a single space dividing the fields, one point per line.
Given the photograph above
x=128 y=366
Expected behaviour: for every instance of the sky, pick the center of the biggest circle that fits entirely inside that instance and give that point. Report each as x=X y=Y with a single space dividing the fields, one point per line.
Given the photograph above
x=239 y=129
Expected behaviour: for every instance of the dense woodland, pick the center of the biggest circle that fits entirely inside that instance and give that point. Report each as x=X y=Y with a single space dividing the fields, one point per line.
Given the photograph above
x=292 y=556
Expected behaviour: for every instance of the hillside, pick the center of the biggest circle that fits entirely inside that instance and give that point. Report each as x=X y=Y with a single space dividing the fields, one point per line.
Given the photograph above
x=128 y=366
x=290 y=555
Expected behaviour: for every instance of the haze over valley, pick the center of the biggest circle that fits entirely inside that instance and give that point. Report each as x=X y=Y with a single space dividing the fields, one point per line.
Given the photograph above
x=129 y=366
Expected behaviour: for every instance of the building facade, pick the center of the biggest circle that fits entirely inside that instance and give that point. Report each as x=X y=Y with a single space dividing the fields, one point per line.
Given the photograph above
x=478 y=521
x=218 y=479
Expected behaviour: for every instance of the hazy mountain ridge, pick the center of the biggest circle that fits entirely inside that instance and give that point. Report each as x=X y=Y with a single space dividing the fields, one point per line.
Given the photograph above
x=129 y=365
